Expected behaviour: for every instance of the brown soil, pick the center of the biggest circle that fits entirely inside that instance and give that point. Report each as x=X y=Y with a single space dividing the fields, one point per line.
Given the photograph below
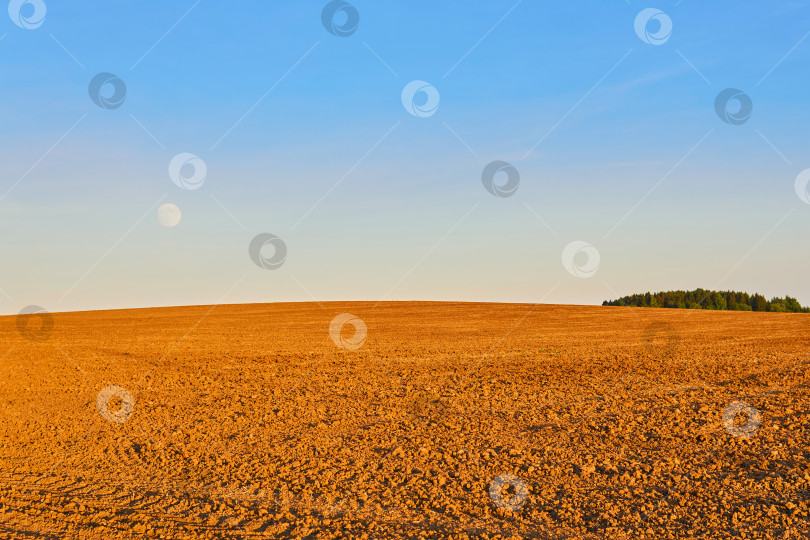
x=248 y=421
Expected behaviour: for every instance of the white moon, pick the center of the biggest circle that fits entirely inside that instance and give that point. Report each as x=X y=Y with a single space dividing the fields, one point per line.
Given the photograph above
x=169 y=215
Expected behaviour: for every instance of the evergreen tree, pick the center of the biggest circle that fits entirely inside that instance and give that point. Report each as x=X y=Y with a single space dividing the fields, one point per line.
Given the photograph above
x=717 y=300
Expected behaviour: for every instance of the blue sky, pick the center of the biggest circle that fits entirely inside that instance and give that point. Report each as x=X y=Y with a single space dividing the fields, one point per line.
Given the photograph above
x=304 y=135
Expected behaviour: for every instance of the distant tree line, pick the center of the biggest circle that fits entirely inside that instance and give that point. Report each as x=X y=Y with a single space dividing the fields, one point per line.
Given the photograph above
x=703 y=299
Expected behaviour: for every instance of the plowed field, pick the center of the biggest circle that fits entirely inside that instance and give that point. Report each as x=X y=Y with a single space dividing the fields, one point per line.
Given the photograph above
x=434 y=420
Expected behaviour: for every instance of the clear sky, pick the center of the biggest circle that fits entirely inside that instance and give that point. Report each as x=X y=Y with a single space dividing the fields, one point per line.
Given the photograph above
x=611 y=125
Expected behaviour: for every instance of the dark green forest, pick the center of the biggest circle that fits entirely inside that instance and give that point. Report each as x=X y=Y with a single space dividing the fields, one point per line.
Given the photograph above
x=703 y=299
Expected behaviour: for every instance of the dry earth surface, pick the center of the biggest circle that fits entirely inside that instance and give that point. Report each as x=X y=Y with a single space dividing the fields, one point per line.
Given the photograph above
x=248 y=421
